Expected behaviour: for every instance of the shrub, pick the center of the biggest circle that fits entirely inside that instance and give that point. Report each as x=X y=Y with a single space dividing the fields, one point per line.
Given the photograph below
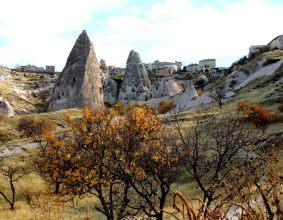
x=164 y=107
x=200 y=93
x=189 y=75
x=256 y=114
x=33 y=127
x=5 y=136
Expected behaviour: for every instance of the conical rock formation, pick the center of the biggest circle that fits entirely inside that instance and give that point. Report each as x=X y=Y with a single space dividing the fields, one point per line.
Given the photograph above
x=136 y=85
x=80 y=82
x=189 y=94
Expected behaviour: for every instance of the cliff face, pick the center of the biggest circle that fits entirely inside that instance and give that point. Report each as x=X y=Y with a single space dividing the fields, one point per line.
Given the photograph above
x=80 y=82
x=136 y=84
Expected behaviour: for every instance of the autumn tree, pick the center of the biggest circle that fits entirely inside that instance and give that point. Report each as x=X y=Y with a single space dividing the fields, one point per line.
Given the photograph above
x=147 y=160
x=119 y=155
x=256 y=114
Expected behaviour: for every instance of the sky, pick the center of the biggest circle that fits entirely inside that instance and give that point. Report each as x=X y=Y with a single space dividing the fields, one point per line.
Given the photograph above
x=42 y=32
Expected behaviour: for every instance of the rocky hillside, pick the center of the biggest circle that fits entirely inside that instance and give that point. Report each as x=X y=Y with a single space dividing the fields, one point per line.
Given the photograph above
x=26 y=92
x=261 y=72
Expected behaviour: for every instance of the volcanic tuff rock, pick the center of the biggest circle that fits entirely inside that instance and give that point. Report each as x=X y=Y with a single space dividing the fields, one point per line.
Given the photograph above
x=80 y=82
x=165 y=87
x=276 y=43
x=136 y=84
x=104 y=67
x=110 y=88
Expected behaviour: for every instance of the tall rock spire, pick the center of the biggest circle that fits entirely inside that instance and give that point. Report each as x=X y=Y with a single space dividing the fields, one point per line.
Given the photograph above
x=80 y=82
x=136 y=84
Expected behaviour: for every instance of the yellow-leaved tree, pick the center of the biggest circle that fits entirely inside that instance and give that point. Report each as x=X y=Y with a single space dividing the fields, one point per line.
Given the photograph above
x=120 y=155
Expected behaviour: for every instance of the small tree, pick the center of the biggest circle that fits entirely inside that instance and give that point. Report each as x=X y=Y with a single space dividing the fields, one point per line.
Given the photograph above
x=260 y=181
x=211 y=152
x=218 y=95
x=12 y=175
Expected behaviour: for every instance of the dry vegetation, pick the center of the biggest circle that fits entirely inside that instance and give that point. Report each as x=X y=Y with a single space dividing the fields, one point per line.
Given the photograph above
x=124 y=162
x=128 y=162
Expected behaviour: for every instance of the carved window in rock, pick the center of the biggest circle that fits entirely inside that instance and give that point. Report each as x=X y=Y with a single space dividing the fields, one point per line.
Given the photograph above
x=100 y=90
x=73 y=82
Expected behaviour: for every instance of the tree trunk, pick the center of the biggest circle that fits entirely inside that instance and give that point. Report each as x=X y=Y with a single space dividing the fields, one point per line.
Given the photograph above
x=57 y=187
x=266 y=203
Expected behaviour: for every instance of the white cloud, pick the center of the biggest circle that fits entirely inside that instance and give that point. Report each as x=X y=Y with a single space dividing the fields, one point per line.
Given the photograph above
x=35 y=30
x=181 y=31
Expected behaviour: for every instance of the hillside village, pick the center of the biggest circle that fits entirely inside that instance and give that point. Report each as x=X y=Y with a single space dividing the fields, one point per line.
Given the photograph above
x=102 y=142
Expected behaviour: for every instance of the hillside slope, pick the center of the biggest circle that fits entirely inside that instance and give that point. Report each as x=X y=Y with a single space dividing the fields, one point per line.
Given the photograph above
x=26 y=92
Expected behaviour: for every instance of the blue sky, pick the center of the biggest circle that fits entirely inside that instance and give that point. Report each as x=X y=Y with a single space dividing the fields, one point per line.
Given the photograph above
x=43 y=32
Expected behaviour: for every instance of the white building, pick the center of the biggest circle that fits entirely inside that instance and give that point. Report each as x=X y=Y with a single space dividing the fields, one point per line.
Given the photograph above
x=50 y=69
x=164 y=65
x=206 y=65
x=192 y=68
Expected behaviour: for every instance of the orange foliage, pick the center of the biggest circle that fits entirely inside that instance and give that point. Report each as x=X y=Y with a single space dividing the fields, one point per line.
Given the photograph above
x=164 y=107
x=104 y=149
x=200 y=93
x=256 y=114
x=34 y=127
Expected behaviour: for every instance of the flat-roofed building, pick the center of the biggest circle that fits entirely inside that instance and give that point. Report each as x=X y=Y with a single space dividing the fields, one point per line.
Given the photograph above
x=206 y=65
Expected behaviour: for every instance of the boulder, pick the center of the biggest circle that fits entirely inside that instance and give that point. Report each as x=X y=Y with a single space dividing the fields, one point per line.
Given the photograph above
x=136 y=85
x=6 y=109
x=203 y=78
x=80 y=84
x=165 y=87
